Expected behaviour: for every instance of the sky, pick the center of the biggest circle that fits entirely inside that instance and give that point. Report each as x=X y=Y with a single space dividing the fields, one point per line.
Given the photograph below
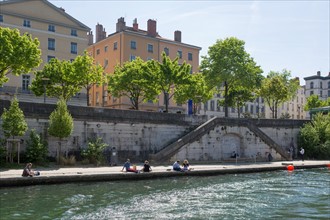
x=278 y=34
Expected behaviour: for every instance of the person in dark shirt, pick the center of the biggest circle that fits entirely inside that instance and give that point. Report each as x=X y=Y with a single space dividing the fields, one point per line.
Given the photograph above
x=146 y=167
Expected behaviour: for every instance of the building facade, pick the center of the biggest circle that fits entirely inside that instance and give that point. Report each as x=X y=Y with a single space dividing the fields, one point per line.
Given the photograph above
x=60 y=35
x=128 y=43
x=318 y=85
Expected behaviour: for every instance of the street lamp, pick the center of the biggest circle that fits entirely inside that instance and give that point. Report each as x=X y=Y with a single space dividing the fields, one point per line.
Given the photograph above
x=45 y=81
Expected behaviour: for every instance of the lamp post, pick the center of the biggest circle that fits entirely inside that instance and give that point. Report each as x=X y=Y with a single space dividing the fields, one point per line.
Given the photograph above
x=45 y=81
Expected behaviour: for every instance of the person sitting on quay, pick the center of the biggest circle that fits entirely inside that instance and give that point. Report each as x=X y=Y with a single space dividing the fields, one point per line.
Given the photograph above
x=146 y=167
x=28 y=172
x=185 y=165
x=176 y=166
x=127 y=166
x=233 y=155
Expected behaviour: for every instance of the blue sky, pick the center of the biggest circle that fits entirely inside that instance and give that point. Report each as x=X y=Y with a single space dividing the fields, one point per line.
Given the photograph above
x=292 y=35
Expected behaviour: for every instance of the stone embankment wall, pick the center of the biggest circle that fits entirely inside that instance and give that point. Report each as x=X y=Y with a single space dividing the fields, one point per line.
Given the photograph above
x=138 y=134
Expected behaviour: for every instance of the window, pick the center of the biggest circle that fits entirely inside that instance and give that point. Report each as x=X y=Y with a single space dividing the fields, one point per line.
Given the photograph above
x=26 y=23
x=74 y=48
x=51 y=28
x=329 y=85
x=206 y=106
x=321 y=85
x=212 y=105
x=311 y=93
x=189 y=56
x=312 y=85
x=132 y=57
x=106 y=62
x=97 y=51
x=251 y=109
x=105 y=48
x=328 y=93
x=321 y=93
x=149 y=58
x=1 y=18
x=25 y=82
x=150 y=48
x=180 y=54
x=51 y=44
x=97 y=98
x=133 y=45
x=49 y=58
x=167 y=51
x=115 y=46
x=74 y=32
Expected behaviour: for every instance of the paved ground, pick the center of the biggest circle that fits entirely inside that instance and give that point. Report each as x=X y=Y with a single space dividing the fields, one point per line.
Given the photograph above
x=13 y=177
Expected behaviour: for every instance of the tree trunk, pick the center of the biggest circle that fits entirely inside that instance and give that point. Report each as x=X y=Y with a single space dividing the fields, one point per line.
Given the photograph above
x=88 y=96
x=226 y=99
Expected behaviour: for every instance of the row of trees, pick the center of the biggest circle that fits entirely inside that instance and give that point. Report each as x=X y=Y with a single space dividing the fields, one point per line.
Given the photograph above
x=227 y=69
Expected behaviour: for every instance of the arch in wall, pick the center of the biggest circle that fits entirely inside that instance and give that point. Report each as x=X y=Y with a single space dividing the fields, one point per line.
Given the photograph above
x=230 y=142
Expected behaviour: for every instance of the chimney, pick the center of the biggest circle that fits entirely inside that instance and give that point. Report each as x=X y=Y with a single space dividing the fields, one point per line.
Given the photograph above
x=177 y=36
x=135 y=25
x=100 y=33
x=318 y=73
x=121 y=24
x=62 y=9
x=152 y=28
x=90 y=38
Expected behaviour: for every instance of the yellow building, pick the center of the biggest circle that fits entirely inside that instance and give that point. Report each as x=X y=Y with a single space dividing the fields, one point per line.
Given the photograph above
x=126 y=44
x=60 y=36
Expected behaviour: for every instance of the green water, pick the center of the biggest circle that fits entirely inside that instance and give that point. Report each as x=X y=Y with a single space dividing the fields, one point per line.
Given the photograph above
x=302 y=194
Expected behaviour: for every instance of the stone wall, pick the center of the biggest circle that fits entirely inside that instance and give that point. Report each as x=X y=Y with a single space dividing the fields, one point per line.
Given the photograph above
x=136 y=134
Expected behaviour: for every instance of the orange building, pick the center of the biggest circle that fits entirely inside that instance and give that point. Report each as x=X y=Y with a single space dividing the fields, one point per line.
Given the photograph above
x=126 y=44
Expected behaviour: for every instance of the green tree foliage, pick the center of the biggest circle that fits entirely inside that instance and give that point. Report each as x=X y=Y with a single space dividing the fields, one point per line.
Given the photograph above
x=278 y=88
x=18 y=54
x=60 y=123
x=169 y=75
x=196 y=90
x=13 y=120
x=313 y=101
x=65 y=78
x=237 y=98
x=314 y=137
x=36 y=150
x=230 y=67
x=86 y=73
x=94 y=151
x=135 y=80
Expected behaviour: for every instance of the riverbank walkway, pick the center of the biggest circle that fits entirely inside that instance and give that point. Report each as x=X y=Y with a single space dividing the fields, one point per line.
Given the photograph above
x=53 y=175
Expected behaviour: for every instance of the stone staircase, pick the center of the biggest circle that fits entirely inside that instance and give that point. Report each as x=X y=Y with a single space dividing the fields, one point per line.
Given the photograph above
x=167 y=152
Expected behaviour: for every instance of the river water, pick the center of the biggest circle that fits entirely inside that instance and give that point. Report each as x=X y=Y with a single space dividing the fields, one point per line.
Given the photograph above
x=301 y=194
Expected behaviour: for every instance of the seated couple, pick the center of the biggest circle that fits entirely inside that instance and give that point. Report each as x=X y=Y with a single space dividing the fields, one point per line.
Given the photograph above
x=185 y=166
x=127 y=167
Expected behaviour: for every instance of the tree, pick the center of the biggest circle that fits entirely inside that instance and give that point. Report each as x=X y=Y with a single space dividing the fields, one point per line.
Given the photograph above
x=60 y=124
x=278 y=88
x=314 y=137
x=36 y=150
x=196 y=90
x=313 y=101
x=237 y=97
x=135 y=80
x=230 y=67
x=87 y=73
x=65 y=79
x=169 y=74
x=19 y=54
x=13 y=120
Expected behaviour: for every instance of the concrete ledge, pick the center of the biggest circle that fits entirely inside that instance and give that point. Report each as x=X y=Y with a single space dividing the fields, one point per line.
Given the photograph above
x=11 y=179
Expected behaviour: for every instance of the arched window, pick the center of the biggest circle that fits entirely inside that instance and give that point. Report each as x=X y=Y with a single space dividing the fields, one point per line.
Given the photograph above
x=312 y=85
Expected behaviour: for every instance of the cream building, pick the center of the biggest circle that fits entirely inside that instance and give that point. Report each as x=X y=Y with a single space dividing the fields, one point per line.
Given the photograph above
x=60 y=36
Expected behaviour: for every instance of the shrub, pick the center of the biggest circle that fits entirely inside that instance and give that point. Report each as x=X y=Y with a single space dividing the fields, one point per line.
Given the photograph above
x=94 y=151
x=36 y=150
x=70 y=161
x=314 y=137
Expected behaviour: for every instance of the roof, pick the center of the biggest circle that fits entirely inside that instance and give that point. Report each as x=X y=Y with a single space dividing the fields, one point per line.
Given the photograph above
x=59 y=10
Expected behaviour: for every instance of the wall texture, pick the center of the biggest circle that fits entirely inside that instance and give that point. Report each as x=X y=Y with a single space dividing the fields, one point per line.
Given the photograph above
x=137 y=135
